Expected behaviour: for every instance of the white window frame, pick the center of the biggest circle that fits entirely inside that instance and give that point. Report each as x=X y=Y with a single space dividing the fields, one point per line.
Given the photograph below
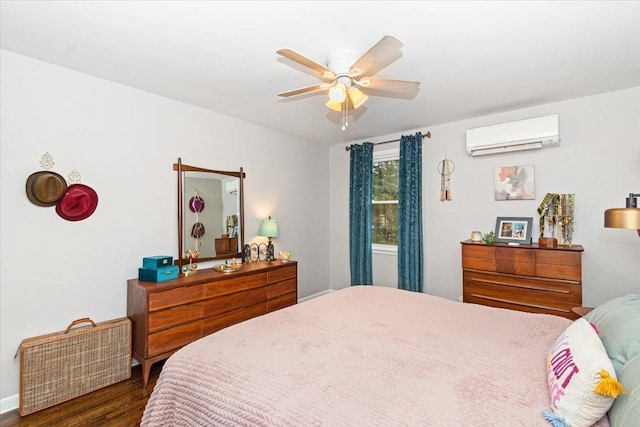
x=381 y=156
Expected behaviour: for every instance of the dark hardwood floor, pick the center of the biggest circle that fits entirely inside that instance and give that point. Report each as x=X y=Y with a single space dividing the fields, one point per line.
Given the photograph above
x=120 y=404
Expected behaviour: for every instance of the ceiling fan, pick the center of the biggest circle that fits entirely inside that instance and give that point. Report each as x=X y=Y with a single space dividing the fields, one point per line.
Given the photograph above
x=346 y=73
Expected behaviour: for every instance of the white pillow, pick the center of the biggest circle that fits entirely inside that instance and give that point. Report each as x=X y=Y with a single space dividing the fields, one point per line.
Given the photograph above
x=582 y=382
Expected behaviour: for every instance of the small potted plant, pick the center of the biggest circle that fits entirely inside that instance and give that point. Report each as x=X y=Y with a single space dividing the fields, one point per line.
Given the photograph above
x=489 y=238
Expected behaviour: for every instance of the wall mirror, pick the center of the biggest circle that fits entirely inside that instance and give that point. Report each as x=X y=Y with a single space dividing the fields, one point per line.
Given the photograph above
x=210 y=213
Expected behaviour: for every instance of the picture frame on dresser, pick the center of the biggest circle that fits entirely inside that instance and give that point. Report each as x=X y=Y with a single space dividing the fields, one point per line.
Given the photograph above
x=514 y=229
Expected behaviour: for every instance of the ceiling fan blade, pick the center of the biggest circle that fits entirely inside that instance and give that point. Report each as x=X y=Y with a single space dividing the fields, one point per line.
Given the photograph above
x=324 y=72
x=383 y=53
x=394 y=85
x=307 y=89
x=391 y=88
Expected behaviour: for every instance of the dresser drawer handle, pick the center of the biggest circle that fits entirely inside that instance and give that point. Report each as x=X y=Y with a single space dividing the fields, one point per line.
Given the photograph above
x=520 y=303
x=516 y=285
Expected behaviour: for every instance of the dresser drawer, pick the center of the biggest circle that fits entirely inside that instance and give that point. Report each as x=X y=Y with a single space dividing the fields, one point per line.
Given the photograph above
x=172 y=297
x=234 y=301
x=479 y=257
x=175 y=315
x=234 y=284
x=559 y=265
x=522 y=293
x=282 y=301
x=281 y=288
x=215 y=323
x=516 y=261
x=173 y=338
x=288 y=272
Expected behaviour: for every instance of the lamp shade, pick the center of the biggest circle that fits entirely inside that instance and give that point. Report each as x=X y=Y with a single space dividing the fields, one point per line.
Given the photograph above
x=622 y=218
x=357 y=97
x=268 y=228
x=336 y=106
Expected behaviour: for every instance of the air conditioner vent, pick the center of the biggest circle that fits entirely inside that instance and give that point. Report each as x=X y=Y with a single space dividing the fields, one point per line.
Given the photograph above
x=529 y=134
x=231 y=186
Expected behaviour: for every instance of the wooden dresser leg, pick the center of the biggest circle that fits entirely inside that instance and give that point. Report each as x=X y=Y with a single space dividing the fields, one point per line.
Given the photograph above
x=146 y=369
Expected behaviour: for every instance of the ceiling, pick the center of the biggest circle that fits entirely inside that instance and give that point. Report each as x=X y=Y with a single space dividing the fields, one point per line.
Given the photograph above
x=472 y=58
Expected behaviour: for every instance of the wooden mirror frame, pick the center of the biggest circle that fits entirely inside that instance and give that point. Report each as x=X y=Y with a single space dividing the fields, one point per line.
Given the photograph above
x=180 y=168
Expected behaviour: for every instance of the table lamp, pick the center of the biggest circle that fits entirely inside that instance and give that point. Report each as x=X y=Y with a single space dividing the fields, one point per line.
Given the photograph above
x=269 y=228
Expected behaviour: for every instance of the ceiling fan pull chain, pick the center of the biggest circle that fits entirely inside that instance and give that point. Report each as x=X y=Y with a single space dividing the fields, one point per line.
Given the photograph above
x=345 y=111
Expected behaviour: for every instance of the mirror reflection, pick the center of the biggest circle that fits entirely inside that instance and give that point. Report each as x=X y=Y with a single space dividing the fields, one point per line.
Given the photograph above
x=211 y=212
x=210 y=208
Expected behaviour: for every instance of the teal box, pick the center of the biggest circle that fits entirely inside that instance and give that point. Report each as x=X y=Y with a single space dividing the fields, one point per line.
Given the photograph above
x=157 y=261
x=158 y=275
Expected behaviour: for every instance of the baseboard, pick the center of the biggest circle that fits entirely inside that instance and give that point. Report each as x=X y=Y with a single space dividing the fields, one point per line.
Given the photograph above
x=307 y=298
x=9 y=403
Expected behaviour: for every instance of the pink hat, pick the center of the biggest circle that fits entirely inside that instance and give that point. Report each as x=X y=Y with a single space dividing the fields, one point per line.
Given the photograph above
x=78 y=203
x=196 y=204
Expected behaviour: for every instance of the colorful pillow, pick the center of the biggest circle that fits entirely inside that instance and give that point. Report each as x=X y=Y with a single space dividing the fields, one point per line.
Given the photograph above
x=582 y=382
x=626 y=409
x=618 y=321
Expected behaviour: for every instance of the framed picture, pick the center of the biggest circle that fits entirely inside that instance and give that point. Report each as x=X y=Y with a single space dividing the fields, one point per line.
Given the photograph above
x=513 y=230
x=262 y=251
x=514 y=183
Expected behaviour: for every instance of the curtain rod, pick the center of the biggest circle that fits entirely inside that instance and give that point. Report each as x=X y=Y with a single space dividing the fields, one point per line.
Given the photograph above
x=427 y=134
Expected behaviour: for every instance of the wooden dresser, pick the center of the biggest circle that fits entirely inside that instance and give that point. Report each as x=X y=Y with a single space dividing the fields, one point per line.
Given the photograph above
x=525 y=278
x=166 y=316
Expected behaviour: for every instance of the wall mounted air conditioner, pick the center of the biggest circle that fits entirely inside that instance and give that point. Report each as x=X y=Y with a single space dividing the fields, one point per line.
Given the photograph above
x=231 y=186
x=529 y=134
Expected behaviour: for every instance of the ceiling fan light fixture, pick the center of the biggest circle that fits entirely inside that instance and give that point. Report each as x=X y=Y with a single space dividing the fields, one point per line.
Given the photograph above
x=338 y=93
x=336 y=106
x=357 y=97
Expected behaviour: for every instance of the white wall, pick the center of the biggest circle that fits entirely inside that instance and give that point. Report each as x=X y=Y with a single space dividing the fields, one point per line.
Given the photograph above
x=123 y=142
x=598 y=160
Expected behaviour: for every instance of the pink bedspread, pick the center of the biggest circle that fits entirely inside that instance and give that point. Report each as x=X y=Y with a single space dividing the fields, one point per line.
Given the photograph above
x=364 y=356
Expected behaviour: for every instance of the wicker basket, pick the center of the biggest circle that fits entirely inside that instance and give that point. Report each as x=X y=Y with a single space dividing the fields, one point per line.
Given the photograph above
x=58 y=367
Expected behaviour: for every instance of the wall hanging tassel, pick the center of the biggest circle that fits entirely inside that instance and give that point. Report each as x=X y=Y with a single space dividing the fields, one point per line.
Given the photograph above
x=445 y=169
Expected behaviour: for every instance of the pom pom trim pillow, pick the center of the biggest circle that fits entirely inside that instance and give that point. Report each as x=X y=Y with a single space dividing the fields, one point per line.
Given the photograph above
x=582 y=382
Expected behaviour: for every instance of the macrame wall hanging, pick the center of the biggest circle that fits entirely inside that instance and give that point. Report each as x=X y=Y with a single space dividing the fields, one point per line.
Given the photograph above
x=445 y=169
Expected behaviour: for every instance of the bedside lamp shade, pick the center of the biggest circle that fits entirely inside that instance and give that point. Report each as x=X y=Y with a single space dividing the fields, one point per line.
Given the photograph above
x=627 y=217
x=268 y=228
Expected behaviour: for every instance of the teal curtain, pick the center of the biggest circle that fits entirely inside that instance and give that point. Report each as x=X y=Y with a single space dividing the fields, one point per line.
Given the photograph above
x=360 y=214
x=410 y=249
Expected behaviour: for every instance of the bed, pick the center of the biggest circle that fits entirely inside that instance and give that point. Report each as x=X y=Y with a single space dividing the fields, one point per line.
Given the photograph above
x=364 y=356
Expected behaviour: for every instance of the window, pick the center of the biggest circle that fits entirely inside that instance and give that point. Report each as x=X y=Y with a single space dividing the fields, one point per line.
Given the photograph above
x=384 y=197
